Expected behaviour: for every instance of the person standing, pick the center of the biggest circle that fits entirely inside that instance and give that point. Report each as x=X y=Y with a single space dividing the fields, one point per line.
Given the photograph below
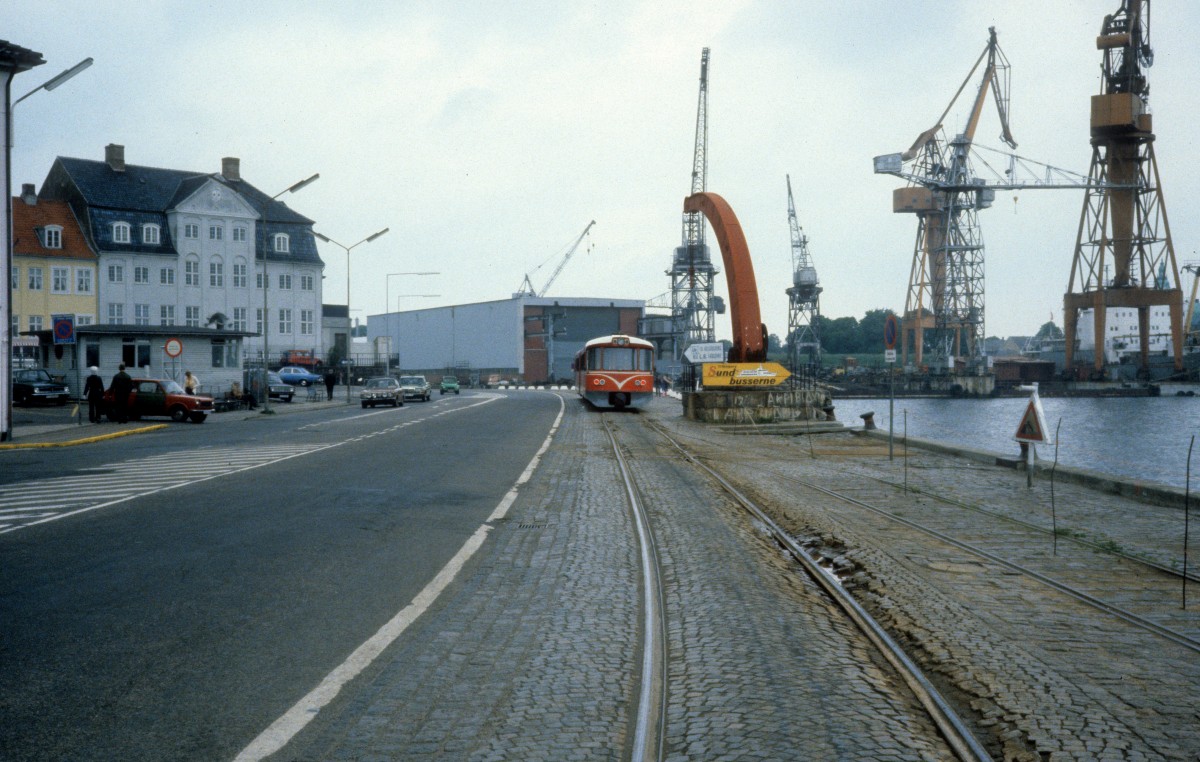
x=93 y=390
x=121 y=387
x=191 y=384
x=330 y=380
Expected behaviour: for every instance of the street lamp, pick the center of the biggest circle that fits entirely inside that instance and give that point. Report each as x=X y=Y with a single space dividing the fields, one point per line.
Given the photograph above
x=266 y=321
x=48 y=85
x=387 y=305
x=350 y=337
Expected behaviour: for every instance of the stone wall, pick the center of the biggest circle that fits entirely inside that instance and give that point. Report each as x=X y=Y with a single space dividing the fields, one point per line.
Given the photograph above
x=757 y=406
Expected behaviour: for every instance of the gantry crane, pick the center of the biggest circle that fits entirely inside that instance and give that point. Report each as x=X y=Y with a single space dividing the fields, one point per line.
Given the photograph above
x=804 y=297
x=1124 y=218
x=693 y=303
x=527 y=288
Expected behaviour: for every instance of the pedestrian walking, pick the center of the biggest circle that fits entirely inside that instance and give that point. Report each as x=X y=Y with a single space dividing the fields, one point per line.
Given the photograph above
x=191 y=384
x=121 y=387
x=93 y=390
x=330 y=380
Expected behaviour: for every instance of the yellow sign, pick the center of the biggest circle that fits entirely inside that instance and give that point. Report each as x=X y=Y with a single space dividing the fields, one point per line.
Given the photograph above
x=744 y=375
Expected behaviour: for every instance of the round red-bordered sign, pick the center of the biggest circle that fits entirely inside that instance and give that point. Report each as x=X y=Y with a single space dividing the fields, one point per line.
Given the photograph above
x=173 y=347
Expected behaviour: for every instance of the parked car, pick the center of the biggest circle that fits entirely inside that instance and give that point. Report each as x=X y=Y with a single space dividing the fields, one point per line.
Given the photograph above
x=154 y=397
x=37 y=385
x=449 y=384
x=278 y=388
x=304 y=358
x=415 y=387
x=381 y=391
x=297 y=376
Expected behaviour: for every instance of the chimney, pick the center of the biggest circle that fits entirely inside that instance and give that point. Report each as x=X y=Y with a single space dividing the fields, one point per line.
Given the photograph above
x=231 y=169
x=114 y=157
x=28 y=194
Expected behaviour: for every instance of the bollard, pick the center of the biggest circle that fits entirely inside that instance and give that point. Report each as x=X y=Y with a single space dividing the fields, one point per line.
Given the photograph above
x=868 y=420
x=828 y=411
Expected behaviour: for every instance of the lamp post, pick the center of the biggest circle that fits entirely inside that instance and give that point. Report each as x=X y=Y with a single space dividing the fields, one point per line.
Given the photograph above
x=349 y=338
x=266 y=321
x=48 y=85
x=387 y=305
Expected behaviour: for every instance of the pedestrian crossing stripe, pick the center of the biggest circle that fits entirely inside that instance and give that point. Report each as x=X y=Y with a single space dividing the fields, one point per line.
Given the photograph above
x=1033 y=425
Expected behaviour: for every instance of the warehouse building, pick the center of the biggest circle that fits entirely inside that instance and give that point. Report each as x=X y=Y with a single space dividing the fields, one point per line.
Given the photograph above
x=525 y=339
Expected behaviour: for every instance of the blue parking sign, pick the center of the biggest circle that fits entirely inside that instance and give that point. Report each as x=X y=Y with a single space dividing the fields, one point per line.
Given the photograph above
x=64 y=329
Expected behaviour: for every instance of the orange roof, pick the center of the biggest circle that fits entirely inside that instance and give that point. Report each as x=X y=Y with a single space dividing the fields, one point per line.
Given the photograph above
x=26 y=219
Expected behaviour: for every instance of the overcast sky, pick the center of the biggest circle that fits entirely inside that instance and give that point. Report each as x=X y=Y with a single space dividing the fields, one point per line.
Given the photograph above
x=487 y=135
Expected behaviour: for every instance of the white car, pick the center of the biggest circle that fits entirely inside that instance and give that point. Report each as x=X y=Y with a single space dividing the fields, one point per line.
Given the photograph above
x=381 y=391
x=415 y=388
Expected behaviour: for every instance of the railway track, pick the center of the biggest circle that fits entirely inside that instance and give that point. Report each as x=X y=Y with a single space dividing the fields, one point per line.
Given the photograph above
x=655 y=697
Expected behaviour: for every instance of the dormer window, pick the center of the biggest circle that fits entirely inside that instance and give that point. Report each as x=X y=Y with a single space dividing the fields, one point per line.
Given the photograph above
x=281 y=243
x=120 y=232
x=52 y=236
x=151 y=234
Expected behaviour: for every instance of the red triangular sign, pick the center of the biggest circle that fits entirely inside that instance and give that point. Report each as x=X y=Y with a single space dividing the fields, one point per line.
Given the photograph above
x=1030 y=429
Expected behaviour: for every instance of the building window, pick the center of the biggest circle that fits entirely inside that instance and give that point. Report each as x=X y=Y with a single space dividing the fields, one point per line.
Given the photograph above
x=60 y=280
x=166 y=276
x=239 y=274
x=191 y=230
x=116 y=273
x=258 y=321
x=15 y=280
x=192 y=317
x=141 y=274
x=35 y=279
x=83 y=280
x=52 y=236
x=166 y=314
x=306 y=283
x=191 y=272
x=282 y=243
x=285 y=281
x=141 y=314
x=285 y=321
x=239 y=319
x=151 y=234
x=239 y=234
x=120 y=232
x=116 y=314
x=216 y=274
x=306 y=322
x=258 y=280
x=225 y=354
x=135 y=353
x=35 y=322
x=85 y=320
x=216 y=233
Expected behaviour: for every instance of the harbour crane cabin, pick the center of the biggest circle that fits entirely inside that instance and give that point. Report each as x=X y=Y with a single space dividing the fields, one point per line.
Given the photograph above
x=615 y=372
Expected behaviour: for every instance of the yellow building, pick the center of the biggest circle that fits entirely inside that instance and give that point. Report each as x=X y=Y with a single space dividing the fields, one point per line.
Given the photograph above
x=53 y=270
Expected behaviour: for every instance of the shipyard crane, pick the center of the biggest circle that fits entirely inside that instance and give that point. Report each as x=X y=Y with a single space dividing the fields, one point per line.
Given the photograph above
x=1124 y=218
x=692 y=301
x=527 y=288
x=804 y=297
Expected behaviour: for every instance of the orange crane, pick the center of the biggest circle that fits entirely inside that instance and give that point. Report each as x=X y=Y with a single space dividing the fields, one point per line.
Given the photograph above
x=1124 y=218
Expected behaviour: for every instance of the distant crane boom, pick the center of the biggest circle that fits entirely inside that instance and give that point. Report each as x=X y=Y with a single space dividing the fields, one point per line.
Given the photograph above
x=527 y=288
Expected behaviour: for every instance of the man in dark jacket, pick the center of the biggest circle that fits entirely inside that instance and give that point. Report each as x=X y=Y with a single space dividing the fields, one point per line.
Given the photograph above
x=330 y=380
x=93 y=390
x=120 y=387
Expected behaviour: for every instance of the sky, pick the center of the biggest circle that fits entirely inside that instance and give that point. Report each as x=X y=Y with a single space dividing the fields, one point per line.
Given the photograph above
x=486 y=136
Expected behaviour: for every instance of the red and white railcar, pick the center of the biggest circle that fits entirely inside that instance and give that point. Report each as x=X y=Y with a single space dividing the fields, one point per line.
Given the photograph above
x=615 y=372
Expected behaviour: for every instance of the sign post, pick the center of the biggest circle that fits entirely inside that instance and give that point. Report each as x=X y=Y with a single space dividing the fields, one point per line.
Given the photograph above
x=1032 y=430
x=889 y=343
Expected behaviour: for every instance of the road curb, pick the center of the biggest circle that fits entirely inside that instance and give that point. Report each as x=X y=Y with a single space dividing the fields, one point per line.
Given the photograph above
x=83 y=440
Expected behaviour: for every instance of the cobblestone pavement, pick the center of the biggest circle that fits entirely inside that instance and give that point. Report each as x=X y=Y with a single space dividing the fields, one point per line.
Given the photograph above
x=1042 y=675
x=532 y=654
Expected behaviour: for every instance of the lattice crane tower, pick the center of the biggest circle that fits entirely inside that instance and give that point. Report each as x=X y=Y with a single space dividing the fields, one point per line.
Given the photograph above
x=1124 y=218
x=692 y=302
x=804 y=297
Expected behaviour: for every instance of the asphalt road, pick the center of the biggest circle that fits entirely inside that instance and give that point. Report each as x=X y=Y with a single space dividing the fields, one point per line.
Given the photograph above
x=182 y=619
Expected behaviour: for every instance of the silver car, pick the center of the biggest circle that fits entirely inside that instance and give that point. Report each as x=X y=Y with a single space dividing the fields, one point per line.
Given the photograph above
x=415 y=388
x=381 y=391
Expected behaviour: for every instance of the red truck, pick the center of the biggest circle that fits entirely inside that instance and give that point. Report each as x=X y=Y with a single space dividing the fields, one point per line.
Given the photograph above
x=305 y=358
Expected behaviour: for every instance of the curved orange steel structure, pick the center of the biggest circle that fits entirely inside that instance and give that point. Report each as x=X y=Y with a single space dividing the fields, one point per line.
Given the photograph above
x=749 y=333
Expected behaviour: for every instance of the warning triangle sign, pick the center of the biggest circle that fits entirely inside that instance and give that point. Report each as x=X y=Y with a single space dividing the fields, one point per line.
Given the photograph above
x=1033 y=425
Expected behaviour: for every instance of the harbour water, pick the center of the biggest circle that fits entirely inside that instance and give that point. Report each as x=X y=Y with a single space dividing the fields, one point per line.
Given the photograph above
x=1141 y=437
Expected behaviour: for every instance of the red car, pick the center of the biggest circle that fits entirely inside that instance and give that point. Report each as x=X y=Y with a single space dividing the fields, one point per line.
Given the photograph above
x=154 y=397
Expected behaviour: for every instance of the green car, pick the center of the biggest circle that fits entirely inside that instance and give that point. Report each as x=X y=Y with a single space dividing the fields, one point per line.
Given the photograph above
x=449 y=384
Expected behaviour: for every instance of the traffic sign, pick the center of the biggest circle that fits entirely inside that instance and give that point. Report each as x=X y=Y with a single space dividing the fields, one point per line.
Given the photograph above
x=890 y=330
x=64 y=329
x=889 y=355
x=700 y=353
x=173 y=347
x=744 y=374
x=1033 y=423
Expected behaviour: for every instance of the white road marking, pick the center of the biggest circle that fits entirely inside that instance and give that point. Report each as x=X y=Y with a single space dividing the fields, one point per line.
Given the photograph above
x=295 y=719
